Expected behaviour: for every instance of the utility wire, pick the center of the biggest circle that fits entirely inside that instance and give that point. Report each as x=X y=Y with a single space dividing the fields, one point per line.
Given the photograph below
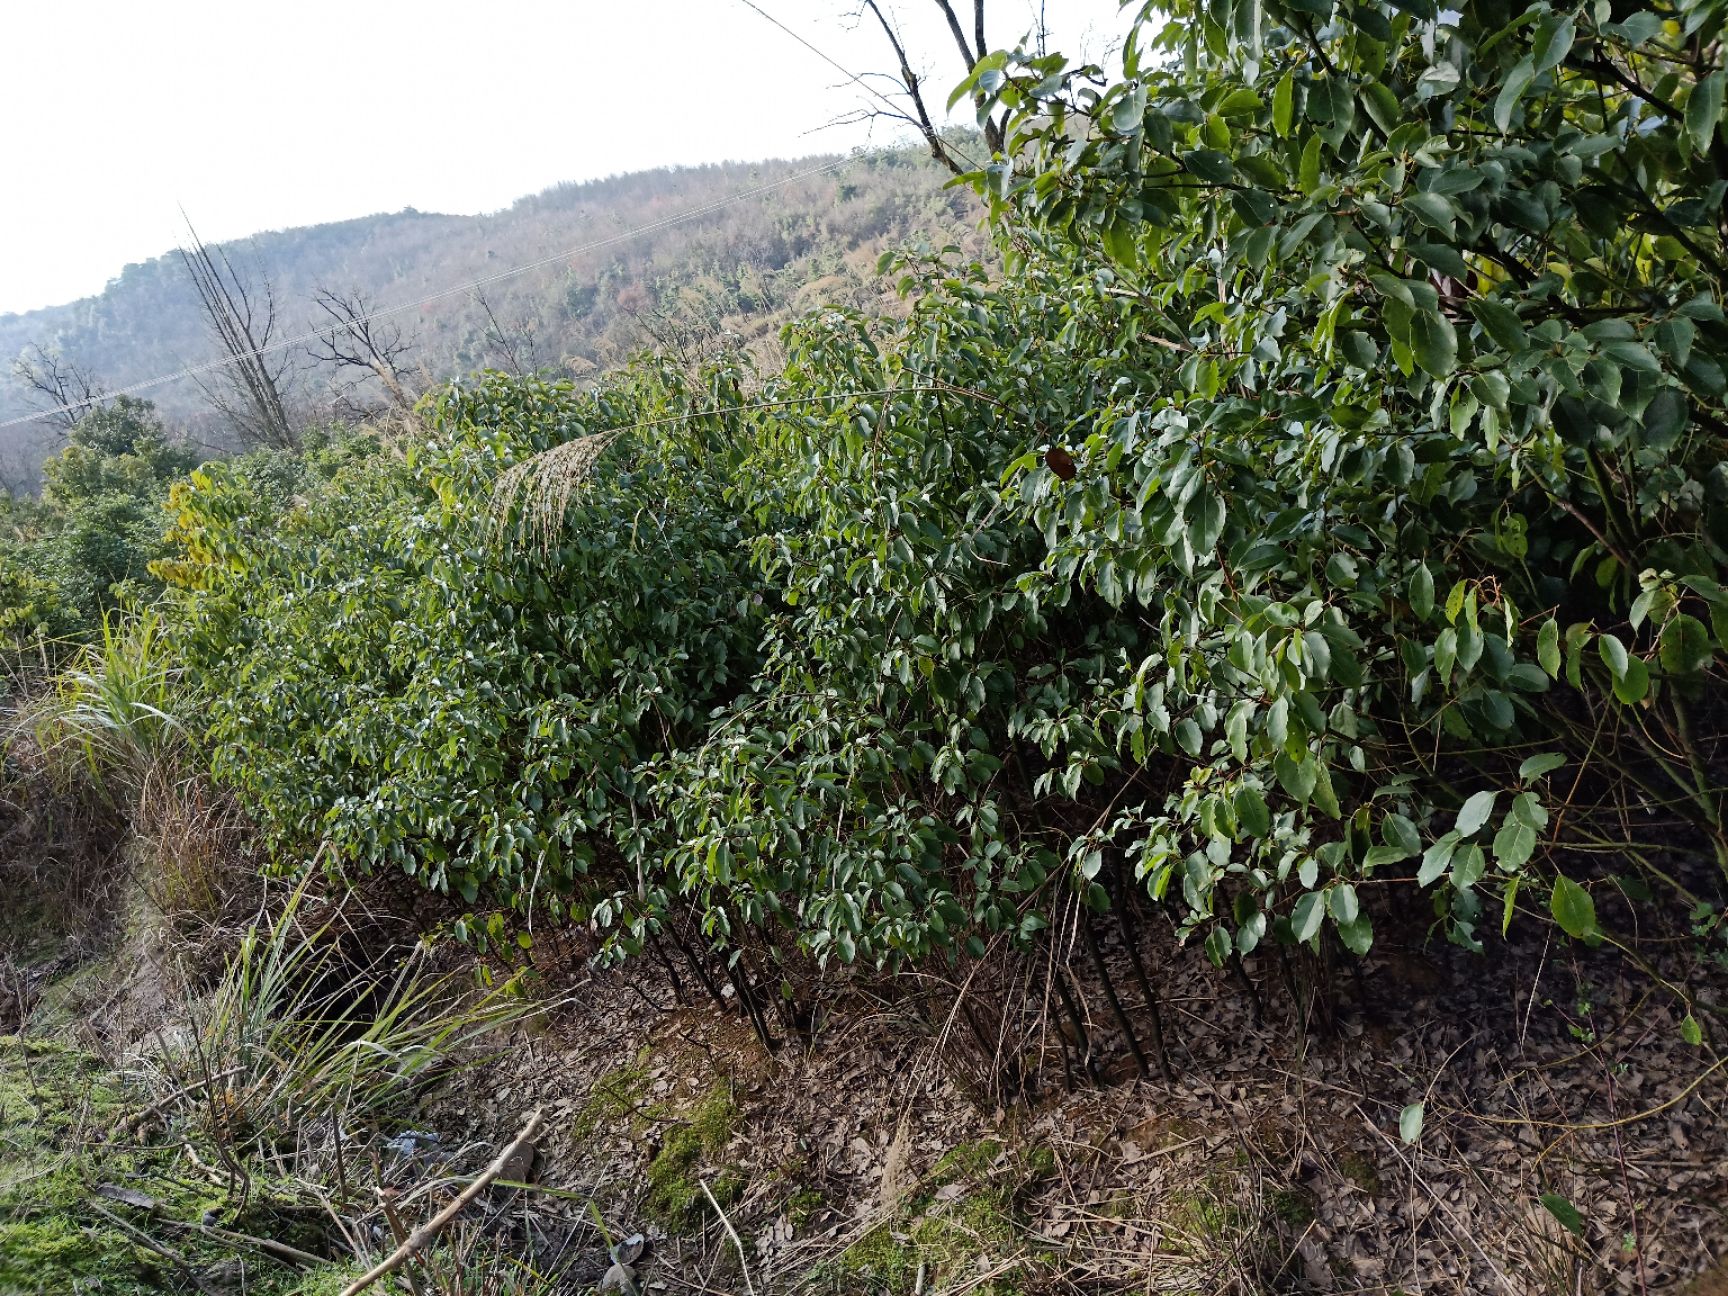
x=192 y=371
x=208 y=366
x=846 y=72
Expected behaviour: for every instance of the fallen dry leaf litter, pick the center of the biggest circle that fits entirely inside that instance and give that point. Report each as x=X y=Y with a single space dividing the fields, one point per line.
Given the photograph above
x=1275 y=1162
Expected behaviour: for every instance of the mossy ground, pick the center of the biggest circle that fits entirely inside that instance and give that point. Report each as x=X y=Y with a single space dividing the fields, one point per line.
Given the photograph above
x=1205 y=1219
x=689 y=1147
x=617 y=1097
x=978 y=1237
x=803 y=1206
x=676 y=1172
x=59 y=1113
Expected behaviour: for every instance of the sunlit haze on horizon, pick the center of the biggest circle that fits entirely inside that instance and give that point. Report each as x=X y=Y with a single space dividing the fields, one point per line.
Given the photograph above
x=251 y=119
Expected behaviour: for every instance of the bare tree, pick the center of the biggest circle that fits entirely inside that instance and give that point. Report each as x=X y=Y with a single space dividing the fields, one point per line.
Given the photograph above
x=515 y=345
x=358 y=341
x=58 y=387
x=971 y=55
x=249 y=392
x=972 y=49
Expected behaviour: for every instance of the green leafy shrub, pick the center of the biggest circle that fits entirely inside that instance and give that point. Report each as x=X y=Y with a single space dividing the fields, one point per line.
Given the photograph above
x=1326 y=506
x=1412 y=466
x=421 y=681
x=85 y=548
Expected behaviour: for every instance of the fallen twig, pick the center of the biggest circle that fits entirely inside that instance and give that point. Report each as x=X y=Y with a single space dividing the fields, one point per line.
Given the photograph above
x=138 y=1118
x=149 y=1243
x=422 y=1236
x=271 y=1247
x=731 y=1232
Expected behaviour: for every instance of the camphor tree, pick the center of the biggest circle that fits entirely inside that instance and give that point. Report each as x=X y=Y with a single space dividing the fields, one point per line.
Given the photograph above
x=1418 y=475
x=1318 y=523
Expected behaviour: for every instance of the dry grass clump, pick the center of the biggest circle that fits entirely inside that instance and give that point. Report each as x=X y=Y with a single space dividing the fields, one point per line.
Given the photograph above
x=99 y=792
x=192 y=843
x=314 y=1030
x=61 y=855
x=538 y=490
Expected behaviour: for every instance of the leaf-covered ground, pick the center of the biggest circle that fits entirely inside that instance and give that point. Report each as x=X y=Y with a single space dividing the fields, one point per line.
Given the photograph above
x=1571 y=1138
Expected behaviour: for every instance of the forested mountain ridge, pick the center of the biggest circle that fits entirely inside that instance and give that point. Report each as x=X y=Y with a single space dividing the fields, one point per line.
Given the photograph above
x=771 y=237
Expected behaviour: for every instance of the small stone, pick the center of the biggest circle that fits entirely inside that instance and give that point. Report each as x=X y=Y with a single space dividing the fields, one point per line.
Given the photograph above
x=619 y=1278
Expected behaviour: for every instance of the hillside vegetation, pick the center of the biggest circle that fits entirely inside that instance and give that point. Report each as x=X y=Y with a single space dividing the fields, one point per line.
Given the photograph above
x=812 y=235
x=1259 y=644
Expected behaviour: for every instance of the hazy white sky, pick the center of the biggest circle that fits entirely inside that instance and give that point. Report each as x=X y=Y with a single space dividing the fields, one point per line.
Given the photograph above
x=254 y=117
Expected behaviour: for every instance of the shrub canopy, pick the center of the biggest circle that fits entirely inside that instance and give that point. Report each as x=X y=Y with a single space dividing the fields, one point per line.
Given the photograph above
x=1326 y=506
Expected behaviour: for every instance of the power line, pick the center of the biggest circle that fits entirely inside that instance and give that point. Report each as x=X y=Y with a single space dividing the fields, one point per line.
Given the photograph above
x=192 y=371
x=208 y=366
x=844 y=71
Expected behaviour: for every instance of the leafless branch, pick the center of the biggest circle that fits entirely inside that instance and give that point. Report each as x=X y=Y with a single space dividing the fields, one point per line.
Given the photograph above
x=909 y=79
x=514 y=344
x=249 y=390
x=970 y=55
x=58 y=387
x=421 y=1237
x=966 y=52
x=971 y=51
x=357 y=342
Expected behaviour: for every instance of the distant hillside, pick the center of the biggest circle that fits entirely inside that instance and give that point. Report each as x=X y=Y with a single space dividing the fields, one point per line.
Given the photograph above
x=741 y=267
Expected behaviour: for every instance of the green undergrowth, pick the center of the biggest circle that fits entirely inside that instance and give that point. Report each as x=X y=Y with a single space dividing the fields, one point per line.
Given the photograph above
x=688 y=1155
x=978 y=1237
x=331 y=1281
x=1207 y=1218
x=65 y=1147
x=59 y=1108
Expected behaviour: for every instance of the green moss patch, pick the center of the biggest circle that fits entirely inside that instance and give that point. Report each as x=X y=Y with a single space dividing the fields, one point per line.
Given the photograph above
x=674 y=1175
x=951 y=1237
x=58 y=1109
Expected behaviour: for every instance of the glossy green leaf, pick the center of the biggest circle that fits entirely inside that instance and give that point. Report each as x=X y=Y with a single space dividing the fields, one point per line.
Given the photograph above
x=1685 y=645
x=1478 y=810
x=1434 y=342
x=1307 y=915
x=1308 y=172
x=1548 y=647
x=1511 y=91
x=1534 y=767
x=1704 y=110
x=1251 y=811
x=1283 y=104
x=1573 y=909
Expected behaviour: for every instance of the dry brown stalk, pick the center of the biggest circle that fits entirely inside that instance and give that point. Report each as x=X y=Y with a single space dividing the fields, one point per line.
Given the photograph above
x=732 y=1233
x=138 y=1119
x=271 y=1247
x=421 y=1237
